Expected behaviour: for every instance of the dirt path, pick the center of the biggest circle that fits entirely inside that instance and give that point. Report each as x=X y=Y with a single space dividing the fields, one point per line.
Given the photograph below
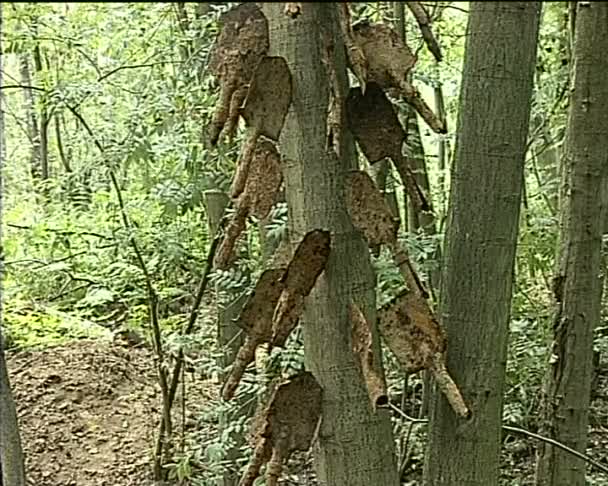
x=87 y=412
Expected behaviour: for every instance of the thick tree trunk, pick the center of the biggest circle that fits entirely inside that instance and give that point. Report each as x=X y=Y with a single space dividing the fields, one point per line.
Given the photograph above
x=355 y=445
x=12 y=468
x=481 y=237
x=577 y=282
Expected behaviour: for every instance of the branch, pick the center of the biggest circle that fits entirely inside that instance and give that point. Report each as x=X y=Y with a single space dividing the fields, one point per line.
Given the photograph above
x=63 y=232
x=424 y=23
x=187 y=330
x=559 y=445
x=135 y=66
x=87 y=128
x=22 y=86
x=519 y=430
x=152 y=296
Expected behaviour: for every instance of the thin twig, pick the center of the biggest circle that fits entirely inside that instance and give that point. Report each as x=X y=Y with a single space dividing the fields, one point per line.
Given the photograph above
x=193 y=315
x=559 y=445
x=62 y=232
x=180 y=356
x=135 y=66
x=519 y=430
x=152 y=296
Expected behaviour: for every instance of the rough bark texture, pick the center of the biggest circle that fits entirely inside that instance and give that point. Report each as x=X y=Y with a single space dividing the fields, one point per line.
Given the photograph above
x=577 y=282
x=481 y=237
x=355 y=445
x=12 y=469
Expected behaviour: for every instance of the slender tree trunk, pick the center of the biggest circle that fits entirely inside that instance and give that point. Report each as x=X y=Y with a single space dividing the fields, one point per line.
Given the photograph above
x=12 y=466
x=44 y=120
x=32 y=119
x=355 y=445
x=443 y=153
x=577 y=282
x=425 y=222
x=65 y=161
x=481 y=237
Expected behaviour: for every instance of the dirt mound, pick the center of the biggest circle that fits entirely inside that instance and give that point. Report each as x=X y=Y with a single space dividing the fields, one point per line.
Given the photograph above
x=88 y=412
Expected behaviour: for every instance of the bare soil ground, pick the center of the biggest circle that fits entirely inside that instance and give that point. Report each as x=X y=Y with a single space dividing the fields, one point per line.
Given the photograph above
x=88 y=412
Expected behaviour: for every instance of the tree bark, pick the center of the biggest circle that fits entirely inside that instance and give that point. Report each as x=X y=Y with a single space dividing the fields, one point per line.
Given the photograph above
x=355 y=445
x=481 y=237
x=577 y=282
x=12 y=466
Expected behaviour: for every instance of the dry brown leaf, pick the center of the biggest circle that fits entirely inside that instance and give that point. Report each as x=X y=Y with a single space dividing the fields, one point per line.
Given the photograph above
x=264 y=180
x=245 y=355
x=424 y=22
x=389 y=61
x=376 y=127
x=238 y=48
x=238 y=97
x=257 y=199
x=369 y=211
x=448 y=387
x=286 y=425
x=411 y=331
x=256 y=320
x=413 y=334
x=362 y=347
x=308 y=262
x=370 y=214
x=225 y=255
x=265 y=109
x=356 y=58
x=256 y=315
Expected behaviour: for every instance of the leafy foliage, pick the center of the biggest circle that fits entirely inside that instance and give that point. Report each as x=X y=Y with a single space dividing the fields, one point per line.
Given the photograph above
x=132 y=79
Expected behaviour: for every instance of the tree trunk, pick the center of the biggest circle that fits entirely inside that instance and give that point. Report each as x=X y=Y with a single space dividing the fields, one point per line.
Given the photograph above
x=65 y=161
x=32 y=119
x=481 y=237
x=577 y=282
x=355 y=445
x=12 y=468
x=43 y=129
x=443 y=153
